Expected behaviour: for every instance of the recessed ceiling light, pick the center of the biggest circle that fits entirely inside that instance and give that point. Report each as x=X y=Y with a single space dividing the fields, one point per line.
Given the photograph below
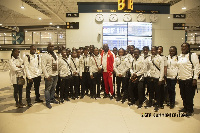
x=168 y=17
x=26 y=31
x=0 y=24
x=50 y=23
x=40 y=18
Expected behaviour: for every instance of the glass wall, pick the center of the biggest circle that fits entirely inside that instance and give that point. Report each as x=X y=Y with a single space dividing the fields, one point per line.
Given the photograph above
x=35 y=37
x=43 y=37
x=6 y=38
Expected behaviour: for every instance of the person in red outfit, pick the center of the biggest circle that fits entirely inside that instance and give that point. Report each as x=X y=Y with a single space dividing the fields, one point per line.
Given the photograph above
x=107 y=60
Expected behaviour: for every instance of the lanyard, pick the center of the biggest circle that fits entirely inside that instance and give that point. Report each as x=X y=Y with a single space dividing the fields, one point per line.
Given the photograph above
x=75 y=64
x=68 y=65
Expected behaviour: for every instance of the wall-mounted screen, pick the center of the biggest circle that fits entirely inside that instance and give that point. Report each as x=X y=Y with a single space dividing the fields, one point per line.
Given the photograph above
x=140 y=42
x=140 y=29
x=115 y=29
x=115 y=41
x=121 y=34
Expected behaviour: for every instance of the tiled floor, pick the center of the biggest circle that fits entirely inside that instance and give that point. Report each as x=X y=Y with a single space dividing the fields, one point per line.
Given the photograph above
x=89 y=115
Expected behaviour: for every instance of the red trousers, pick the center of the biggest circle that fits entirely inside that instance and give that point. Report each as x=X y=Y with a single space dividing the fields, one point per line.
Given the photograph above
x=108 y=82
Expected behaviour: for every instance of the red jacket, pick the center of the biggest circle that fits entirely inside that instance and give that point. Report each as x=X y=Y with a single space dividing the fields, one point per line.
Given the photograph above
x=110 y=61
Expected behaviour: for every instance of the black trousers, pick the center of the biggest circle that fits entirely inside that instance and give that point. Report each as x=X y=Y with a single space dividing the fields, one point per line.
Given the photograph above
x=102 y=84
x=120 y=80
x=64 y=88
x=125 y=89
x=171 y=90
x=85 y=83
x=187 y=94
x=58 y=85
x=36 y=82
x=158 y=90
x=96 y=84
x=114 y=85
x=136 y=91
x=18 y=91
x=147 y=83
x=74 y=86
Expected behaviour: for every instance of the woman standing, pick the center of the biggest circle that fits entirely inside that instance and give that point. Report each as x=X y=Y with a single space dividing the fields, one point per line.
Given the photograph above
x=188 y=65
x=121 y=66
x=156 y=65
x=16 y=74
x=172 y=70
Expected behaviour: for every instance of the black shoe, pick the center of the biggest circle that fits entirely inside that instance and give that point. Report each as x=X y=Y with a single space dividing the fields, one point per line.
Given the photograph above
x=161 y=106
x=188 y=114
x=123 y=100
x=62 y=101
x=73 y=98
x=183 y=110
x=38 y=101
x=118 y=98
x=82 y=96
x=29 y=104
x=156 y=108
x=139 y=106
x=67 y=99
x=149 y=104
x=106 y=96
x=130 y=103
x=98 y=96
x=172 y=106
x=22 y=104
x=17 y=105
x=54 y=101
x=111 y=97
x=49 y=105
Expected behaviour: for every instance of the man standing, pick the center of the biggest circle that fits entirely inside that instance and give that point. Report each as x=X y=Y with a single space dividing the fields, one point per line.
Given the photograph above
x=107 y=60
x=50 y=70
x=33 y=71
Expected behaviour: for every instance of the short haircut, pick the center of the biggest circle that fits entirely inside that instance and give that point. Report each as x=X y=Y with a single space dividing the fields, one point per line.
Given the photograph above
x=115 y=48
x=174 y=47
x=137 y=49
x=145 y=47
x=154 y=47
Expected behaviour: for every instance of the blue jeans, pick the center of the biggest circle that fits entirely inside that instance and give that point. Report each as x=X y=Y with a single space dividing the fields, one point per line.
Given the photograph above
x=50 y=88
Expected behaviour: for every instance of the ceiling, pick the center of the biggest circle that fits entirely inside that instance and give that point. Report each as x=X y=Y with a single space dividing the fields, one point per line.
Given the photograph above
x=54 y=11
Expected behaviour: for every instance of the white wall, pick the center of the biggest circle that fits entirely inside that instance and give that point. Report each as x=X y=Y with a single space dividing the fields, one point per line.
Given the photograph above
x=7 y=54
x=87 y=34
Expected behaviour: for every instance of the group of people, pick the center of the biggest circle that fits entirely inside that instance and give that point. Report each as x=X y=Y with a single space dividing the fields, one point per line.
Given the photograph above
x=88 y=71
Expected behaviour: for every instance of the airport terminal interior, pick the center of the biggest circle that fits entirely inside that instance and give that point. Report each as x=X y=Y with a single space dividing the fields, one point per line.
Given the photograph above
x=80 y=23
